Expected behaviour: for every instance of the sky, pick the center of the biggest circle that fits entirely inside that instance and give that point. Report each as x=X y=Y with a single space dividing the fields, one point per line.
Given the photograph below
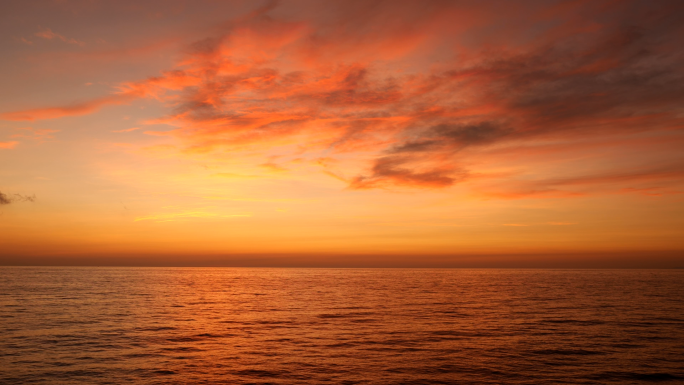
x=342 y=133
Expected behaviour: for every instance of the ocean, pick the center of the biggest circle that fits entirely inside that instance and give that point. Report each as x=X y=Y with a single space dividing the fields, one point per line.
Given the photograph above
x=99 y=325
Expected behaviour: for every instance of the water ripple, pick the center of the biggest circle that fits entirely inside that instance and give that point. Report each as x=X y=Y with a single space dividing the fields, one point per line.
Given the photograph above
x=340 y=326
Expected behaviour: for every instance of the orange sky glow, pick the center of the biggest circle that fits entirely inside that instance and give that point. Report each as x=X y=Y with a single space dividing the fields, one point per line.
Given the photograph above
x=342 y=133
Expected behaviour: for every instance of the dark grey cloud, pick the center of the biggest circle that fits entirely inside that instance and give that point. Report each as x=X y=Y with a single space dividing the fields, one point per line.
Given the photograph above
x=453 y=137
x=6 y=199
x=624 y=77
x=397 y=170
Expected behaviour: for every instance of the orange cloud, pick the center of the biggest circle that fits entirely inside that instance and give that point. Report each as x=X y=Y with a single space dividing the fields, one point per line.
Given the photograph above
x=7 y=145
x=413 y=89
x=58 y=112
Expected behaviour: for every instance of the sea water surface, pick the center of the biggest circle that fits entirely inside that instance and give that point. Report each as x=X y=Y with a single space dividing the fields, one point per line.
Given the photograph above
x=340 y=326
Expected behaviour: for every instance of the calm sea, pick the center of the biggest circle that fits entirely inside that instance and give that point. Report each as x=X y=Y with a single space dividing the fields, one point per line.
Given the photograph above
x=340 y=326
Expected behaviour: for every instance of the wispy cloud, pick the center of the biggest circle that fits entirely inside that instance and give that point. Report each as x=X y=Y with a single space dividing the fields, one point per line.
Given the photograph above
x=6 y=199
x=653 y=181
x=127 y=129
x=25 y=41
x=198 y=214
x=40 y=134
x=75 y=109
x=49 y=35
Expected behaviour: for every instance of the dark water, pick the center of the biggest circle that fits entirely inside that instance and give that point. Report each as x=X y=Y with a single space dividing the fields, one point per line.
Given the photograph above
x=340 y=326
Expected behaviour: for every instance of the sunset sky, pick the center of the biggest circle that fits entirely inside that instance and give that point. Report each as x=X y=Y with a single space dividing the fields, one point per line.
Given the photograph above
x=408 y=133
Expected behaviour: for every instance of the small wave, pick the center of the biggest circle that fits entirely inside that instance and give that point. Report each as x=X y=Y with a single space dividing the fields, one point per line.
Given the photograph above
x=649 y=377
x=363 y=320
x=140 y=355
x=157 y=329
x=345 y=315
x=208 y=335
x=342 y=345
x=625 y=346
x=164 y=372
x=182 y=339
x=62 y=364
x=184 y=349
x=574 y=322
x=569 y=352
x=273 y=322
x=668 y=319
x=258 y=373
x=193 y=338
x=76 y=373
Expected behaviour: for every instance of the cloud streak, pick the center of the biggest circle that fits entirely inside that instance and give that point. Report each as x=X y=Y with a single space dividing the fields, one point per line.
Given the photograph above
x=6 y=199
x=49 y=35
x=653 y=181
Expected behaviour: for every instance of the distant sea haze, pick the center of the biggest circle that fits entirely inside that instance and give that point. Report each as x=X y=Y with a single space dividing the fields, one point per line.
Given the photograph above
x=87 y=325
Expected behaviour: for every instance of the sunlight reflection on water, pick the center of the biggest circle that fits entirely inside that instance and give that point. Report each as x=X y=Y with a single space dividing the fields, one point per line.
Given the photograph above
x=225 y=325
